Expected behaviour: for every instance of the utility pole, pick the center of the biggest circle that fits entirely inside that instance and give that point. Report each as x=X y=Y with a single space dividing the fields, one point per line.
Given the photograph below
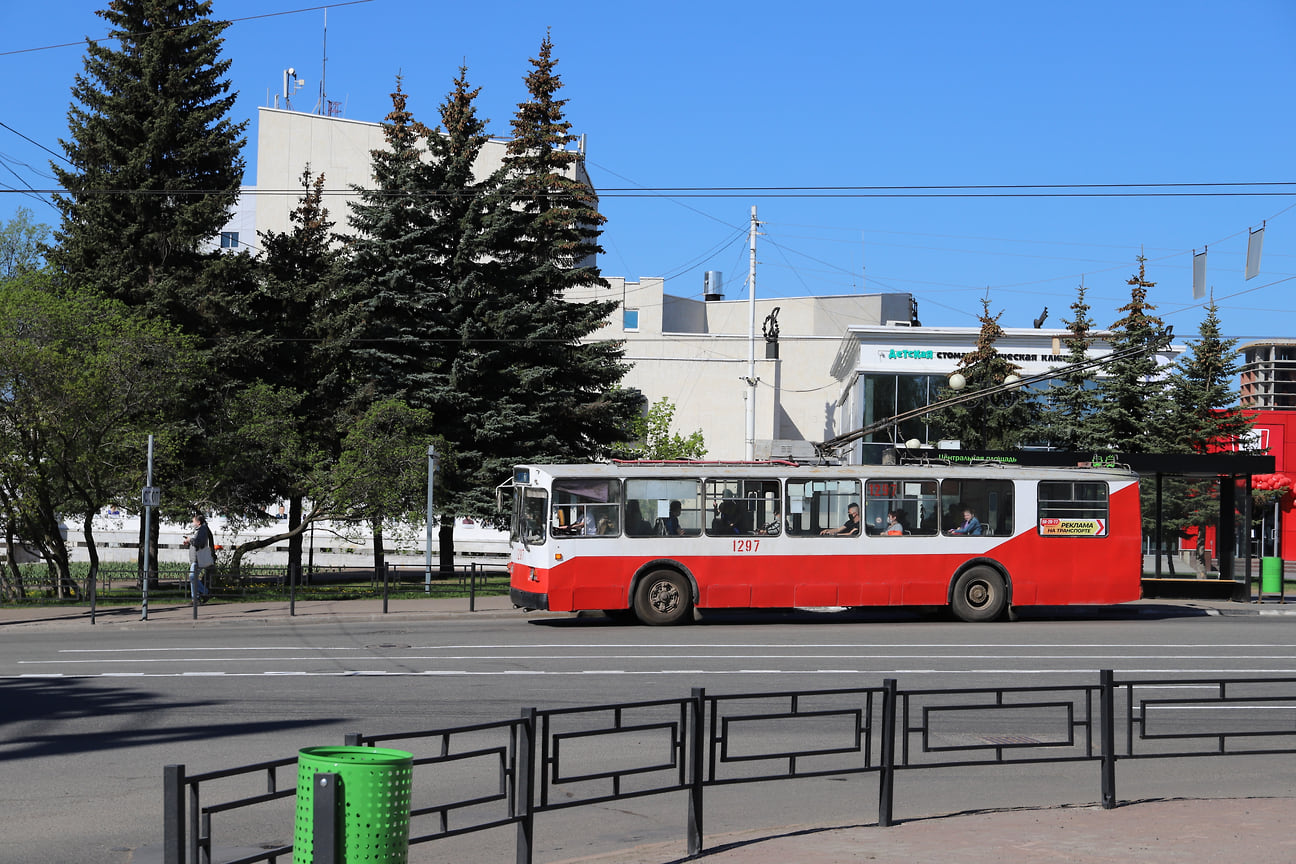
x=150 y=498
x=751 y=343
x=431 y=468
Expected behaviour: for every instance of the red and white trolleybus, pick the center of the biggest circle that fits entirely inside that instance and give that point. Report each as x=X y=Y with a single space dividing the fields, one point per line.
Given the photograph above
x=663 y=539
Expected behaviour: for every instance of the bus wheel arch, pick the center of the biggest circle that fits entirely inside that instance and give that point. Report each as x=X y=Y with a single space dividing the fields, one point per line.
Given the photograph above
x=980 y=591
x=663 y=593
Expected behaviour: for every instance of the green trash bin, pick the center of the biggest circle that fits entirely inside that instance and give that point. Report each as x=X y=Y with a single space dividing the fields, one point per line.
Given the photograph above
x=373 y=794
x=1271 y=576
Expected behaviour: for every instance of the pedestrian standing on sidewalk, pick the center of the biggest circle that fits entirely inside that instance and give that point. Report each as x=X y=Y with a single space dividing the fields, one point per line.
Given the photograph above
x=201 y=557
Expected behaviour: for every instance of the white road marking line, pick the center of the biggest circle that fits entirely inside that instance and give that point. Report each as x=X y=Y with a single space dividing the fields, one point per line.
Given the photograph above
x=953 y=646
x=189 y=658
x=1250 y=670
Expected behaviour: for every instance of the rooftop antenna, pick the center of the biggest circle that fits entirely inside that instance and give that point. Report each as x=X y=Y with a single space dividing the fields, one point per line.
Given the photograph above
x=323 y=100
x=291 y=84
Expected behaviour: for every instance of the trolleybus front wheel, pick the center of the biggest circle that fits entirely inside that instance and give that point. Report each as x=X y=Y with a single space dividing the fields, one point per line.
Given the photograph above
x=979 y=595
x=663 y=598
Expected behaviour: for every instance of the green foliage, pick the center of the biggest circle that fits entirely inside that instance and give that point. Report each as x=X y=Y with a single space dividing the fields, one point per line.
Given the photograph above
x=382 y=472
x=386 y=321
x=560 y=399
x=997 y=422
x=21 y=241
x=658 y=441
x=83 y=382
x=157 y=162
x=1135 y=403
x=1069 y=419
x=1206 y=414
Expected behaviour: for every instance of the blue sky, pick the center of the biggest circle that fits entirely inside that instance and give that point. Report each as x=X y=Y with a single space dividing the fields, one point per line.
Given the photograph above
x=758 y=96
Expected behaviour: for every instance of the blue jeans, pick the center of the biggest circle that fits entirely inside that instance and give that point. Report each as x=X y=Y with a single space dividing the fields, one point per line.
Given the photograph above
x=196 y=587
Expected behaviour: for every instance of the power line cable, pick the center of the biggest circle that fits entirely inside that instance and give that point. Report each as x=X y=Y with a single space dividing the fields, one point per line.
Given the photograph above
x=179 y=27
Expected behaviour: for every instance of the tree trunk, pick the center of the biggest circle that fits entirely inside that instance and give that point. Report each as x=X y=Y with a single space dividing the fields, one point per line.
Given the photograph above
x=13 y=588
x=88 y=532
x=445 y=537
x=380 y=562
x=294 y=542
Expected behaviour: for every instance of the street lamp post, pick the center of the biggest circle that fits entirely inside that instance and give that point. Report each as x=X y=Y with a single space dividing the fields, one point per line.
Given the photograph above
x=427 y=572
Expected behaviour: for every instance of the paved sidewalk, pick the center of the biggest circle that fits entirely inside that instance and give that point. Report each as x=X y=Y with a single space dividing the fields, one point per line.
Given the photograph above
x=1251 y=830
x=172 y=612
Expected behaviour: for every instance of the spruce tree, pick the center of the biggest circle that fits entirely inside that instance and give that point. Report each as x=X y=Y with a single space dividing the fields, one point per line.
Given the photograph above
x=387 y=323
x=1134 y=401
x=156 y=160
x=560 y=396
x=301 y=270
x=1068 y=419
x=1205 y=418
x=386 y=328
x=465 y=389
x=986 y=422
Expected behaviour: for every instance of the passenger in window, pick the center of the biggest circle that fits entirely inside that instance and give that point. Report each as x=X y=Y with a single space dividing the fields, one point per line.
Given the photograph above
x=971 y=525
x=673 y=527
x=774 y=525
x=636 y=525
x=849 y=528
x=895 y=523
x=726 y=518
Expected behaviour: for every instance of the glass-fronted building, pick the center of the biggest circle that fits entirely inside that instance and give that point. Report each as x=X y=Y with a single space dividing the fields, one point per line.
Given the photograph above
x=886 y=371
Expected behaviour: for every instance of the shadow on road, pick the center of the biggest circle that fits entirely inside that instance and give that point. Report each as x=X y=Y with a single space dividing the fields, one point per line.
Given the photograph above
x=883 y=615
x=39 y=717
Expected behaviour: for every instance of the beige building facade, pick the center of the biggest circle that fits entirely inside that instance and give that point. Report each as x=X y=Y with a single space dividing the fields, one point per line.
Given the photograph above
x=697 y=353
x=290 y=142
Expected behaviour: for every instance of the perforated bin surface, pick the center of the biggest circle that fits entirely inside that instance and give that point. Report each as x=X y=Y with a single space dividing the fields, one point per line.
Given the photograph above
x=374 y=795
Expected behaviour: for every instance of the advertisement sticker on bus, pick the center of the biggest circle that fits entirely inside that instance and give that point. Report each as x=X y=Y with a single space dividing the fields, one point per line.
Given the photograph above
x=1073 y=527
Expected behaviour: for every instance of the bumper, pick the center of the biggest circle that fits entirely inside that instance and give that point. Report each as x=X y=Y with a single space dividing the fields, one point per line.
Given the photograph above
x=529 y=600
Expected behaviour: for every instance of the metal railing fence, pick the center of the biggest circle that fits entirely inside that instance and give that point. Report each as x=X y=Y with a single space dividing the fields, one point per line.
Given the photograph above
x=123 y=584
x=475 y=778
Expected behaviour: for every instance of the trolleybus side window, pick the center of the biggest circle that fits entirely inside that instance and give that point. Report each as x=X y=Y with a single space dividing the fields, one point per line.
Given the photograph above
x=815 y=505
x=990 y=501
x=911 y=503
x=664 y=507
x=586 y=507
x=1073 y=508
x=737 y=506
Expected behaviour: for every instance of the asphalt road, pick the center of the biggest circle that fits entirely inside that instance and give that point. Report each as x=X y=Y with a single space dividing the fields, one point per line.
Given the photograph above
x=90 y=715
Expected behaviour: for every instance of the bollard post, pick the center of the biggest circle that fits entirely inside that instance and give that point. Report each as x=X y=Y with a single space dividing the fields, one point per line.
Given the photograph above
x=386 y=575
x=325 y=825
x=173 y=815
x=524 y=785
x=293 y=572
x=1107 y=723
x=696 y=725
x=886 y=774
x=472 y=588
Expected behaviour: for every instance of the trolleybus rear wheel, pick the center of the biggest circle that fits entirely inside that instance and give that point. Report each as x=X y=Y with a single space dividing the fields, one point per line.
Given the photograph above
x=979 y=595
x=662 y=598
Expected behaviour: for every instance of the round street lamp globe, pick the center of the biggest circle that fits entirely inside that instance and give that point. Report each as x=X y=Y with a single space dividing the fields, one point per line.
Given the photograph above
x=957 y=381
x=1011 y=379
